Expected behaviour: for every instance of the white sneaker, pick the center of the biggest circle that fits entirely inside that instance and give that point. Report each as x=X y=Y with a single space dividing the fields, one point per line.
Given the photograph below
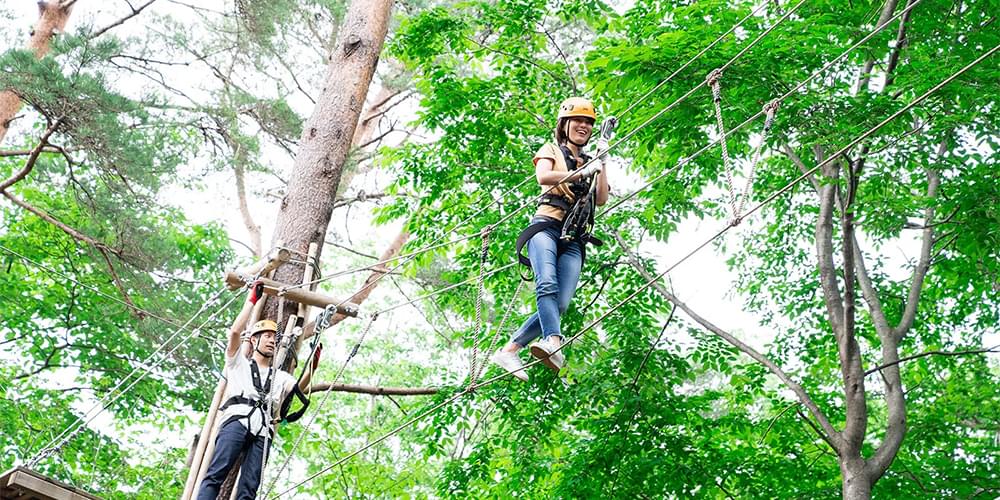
x=511 y=363
x=546 y=351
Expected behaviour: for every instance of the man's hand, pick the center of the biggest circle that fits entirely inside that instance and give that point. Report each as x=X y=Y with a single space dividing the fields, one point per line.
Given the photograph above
x=256 y=291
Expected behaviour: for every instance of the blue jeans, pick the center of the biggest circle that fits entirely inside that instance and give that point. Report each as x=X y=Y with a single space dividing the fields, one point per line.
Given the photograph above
x=556 y=265
x=232 y=439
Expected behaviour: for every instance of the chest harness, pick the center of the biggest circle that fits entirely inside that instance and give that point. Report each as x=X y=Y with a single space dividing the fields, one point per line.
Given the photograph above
x=256 y=405
x=578 y=214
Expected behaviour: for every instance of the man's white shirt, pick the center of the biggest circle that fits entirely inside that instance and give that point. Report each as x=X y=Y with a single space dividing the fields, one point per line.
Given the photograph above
x=239 y=382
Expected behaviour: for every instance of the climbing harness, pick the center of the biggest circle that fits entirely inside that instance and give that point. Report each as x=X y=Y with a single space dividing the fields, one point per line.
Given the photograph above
x=578 y=217
x=738 y=201
x=257 y=404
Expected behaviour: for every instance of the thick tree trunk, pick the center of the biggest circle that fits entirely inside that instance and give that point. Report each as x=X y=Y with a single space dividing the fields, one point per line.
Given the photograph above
x=326 y=141
x=856 y=485
x=51 y=20
x=327 y=135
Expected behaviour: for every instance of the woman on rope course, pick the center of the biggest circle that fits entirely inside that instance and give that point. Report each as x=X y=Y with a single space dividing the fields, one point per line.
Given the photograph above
x=559 y=231
x=248 y=382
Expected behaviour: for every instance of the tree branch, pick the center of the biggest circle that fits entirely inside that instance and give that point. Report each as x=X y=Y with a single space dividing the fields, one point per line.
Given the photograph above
x=135 y=12
x=824 y=248
x=32 y=157
x=555 y=76
x=828 y=433
x=349 y=249
x=790 y=153
x=378 y=138
x=104 y=249
x=373 y=390
x=865 y=76
x=897 y=49
x=27 y=152
x=926 y=245
x=382 y=111
x=239 y=170
x=864 y=280
x=924 y=354
x=562 y=55
x=895 y=399
x=65 y=228
x=849 y=352
x=139 y=313
x=362 y=197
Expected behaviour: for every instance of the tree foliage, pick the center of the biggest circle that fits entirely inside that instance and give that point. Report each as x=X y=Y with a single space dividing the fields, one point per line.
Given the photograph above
x=651 y=404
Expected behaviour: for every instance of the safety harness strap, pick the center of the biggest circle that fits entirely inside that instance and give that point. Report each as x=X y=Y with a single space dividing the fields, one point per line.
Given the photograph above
x=258 y=404
x=287 y=405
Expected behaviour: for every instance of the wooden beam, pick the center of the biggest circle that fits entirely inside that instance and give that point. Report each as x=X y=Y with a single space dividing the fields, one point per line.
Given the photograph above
x=235 y=281
x=261 y=267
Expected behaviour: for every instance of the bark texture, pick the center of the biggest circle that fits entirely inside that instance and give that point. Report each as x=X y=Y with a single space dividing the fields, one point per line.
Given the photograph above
x=52 y=17
x=327 y=135
x=326 y=142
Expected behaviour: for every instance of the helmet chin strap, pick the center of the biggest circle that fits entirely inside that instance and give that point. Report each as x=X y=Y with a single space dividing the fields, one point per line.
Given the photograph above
x=571 y=141
x=262 y=353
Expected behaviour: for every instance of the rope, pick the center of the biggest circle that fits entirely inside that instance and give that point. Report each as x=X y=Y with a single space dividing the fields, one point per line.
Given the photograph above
x=480 y=289
x=59 y=441
x=769 y=110
x=780 y=99
x=535 y=199
x=49 y=270
x=713 y=81
x=738 y=201
x=656 y=278
x=322 y=402
x=503 y=322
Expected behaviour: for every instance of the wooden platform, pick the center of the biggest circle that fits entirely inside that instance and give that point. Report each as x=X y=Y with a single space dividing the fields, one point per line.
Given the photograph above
x=25 y=484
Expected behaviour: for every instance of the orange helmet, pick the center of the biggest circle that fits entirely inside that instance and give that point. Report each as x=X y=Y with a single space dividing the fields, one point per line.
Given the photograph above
x=264 y=325
x=577 y=107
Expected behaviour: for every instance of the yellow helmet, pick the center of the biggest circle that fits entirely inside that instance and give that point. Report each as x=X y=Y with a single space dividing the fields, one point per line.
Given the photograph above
x=264 y=325
x=576 y=107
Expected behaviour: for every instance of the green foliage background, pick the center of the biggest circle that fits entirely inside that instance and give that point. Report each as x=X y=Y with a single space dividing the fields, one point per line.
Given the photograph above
x=650 y=405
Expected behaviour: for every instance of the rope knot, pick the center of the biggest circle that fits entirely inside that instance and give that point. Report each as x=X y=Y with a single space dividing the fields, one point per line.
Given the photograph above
x=713 y=77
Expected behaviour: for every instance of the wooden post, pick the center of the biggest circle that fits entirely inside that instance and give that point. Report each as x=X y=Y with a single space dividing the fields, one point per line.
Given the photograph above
x=206 y=458
x=299 y=295
x=206 y=433
x=284 y=361
x=307 y=276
